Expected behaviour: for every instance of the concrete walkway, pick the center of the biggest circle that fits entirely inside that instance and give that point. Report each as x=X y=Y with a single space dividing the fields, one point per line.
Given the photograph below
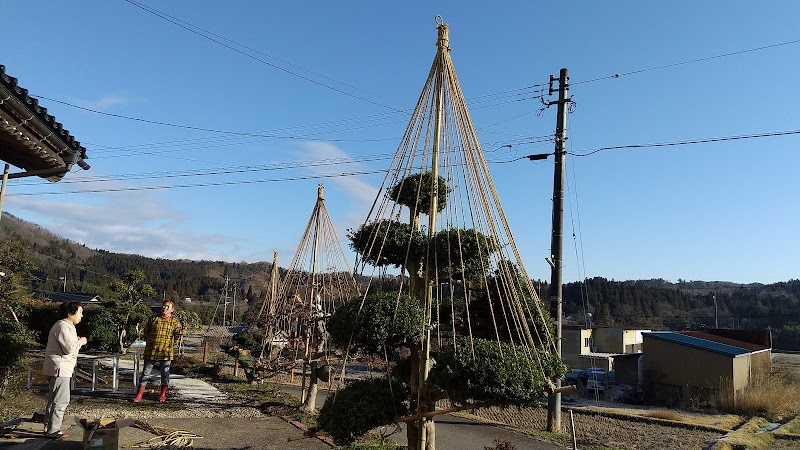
x=188 y=389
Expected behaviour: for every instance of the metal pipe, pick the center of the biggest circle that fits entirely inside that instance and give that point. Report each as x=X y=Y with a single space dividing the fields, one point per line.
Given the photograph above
x=115 y=373
x=94 y=375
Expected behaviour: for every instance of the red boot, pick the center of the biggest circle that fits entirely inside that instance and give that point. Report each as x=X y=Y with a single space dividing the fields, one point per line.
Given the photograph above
x=139 y=394
x=163 y=396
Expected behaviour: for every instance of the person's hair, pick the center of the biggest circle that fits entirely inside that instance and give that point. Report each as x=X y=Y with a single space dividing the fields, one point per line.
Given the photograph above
x=170 y=301
x=68 y=309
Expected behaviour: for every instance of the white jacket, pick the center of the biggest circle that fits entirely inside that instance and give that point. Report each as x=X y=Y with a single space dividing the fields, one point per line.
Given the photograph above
x=61 y=353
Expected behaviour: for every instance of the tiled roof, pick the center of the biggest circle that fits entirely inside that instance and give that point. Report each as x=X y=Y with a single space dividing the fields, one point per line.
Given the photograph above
x=30 y=138
x=695 y=342
x=75 y=297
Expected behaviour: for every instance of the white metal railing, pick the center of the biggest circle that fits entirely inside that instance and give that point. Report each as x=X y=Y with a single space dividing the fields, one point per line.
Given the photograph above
x=112 y=361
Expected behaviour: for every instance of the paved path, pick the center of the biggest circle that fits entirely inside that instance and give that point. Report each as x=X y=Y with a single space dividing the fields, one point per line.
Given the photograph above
x=218 y=434
x=188 y=389
x=453 y=432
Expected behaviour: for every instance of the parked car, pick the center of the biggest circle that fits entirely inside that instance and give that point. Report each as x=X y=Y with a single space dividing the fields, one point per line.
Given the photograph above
x=596 y=380
x=575 y=377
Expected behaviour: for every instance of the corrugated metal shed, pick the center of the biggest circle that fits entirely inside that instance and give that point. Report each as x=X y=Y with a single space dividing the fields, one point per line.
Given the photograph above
x=724 y=340
x=703 y=344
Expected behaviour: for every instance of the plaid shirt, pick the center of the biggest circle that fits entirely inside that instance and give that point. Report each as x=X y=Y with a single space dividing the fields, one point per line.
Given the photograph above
x=161 y=336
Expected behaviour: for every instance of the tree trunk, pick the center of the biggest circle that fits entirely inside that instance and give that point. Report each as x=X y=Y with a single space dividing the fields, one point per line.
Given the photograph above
x=412 y=429
x=318 y=344
x=310 y=403
x=430 y=430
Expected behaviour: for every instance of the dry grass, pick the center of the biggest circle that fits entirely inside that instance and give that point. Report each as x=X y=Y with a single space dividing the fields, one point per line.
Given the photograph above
x=792 y=428
x=747 y=437
x=722 y=421
x=665 y=414
x=20 y=402
x=776 y=397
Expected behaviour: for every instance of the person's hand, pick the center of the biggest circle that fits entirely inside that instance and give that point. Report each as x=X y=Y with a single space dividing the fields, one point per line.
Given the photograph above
x=82 y=341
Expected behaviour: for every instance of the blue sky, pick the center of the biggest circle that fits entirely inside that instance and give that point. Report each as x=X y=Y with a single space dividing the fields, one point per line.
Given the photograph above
x=328 y=84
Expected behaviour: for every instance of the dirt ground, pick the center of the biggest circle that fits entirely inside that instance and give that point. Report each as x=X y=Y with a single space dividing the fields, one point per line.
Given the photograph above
x=592 y=428
x=597 y=423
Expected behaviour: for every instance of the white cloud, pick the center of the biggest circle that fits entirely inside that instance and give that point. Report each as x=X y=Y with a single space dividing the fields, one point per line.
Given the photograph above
x=130 y=222
x=363 y=192
x=109 y=101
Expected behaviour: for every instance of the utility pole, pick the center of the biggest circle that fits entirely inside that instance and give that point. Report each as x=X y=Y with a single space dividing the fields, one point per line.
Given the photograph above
x=556 y=244
x=225 y=304
x=233 y=311
x=716 y=318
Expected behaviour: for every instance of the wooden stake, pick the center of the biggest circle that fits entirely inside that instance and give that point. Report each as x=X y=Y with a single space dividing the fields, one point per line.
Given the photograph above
x=205 y=351
x=572 y=424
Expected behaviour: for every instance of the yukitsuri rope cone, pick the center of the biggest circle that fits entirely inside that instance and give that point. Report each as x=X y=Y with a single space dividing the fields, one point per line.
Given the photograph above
x=463 y=265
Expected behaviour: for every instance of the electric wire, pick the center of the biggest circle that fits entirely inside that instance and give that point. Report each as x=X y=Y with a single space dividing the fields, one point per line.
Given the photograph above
x=195 y=185
x=580 y=153
x=224 y=170
x=683 y=63
x=192 y=29
x=589 y=152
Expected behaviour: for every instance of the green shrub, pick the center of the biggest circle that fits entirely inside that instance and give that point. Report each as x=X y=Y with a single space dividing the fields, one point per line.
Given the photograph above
x=361 y=406
x=251 y=339
x=498 y=373
x=102 y=326
x=40 y=317
x=15 y=338
x=385 y=319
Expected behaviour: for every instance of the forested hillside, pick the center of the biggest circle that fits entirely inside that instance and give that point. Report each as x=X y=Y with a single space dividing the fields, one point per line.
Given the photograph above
x=654 y=304
x=688 y=305
x=91 y=271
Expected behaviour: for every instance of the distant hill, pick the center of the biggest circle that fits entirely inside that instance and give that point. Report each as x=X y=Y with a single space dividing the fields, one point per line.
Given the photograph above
x=91 y=270
x=654 y=304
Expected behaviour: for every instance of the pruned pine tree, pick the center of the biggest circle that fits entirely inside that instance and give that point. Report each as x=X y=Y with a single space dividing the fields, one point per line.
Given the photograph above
x=127 y=312
x=465 y=327
x=318 y=280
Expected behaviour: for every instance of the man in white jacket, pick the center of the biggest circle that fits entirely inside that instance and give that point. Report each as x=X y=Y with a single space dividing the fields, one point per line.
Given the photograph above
x=61 y=356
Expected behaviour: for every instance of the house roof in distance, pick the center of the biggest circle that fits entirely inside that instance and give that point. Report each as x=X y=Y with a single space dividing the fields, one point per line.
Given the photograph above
x=82 y=297
x=724 y=340
x=696 y=342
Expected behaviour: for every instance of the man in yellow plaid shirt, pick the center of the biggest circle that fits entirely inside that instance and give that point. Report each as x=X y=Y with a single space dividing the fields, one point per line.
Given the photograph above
x=161 y=333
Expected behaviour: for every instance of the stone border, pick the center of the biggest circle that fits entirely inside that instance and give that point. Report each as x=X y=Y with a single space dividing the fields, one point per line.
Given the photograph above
x=306 y=431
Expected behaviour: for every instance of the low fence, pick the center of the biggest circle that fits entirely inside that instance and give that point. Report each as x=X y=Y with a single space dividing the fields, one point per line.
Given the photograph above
x=98 y=362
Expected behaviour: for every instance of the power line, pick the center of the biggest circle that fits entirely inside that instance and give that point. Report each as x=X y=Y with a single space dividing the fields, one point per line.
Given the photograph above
x=682 y=63
x=220 y=183
x=687 y=142
x=193 y=29
x=187 y=127
x=241 y=168
x=265 y=135
x=376 y=157
x=210 y=172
